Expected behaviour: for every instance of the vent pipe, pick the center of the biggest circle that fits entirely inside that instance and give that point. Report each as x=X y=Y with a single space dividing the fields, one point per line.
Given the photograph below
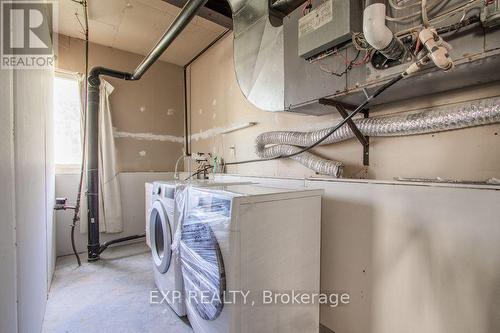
x=376 y=32
x=187 y=13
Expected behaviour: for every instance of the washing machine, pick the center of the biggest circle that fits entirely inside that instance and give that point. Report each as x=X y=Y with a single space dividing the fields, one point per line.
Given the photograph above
x=148 y=204
x=255 y=240
x=164 y=207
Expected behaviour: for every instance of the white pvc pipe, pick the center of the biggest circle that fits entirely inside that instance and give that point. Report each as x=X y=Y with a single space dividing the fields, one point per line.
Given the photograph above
x=376 y=32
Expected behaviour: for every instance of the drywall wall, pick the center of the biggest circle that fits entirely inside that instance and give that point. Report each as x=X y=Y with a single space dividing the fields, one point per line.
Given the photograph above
x=133 y=208
x=217 y=102
x=50 y=182
x=8 y=275
x=148 y=120
x=151 y=106
x=27 y=178
x=32 y=102
x=413 y=257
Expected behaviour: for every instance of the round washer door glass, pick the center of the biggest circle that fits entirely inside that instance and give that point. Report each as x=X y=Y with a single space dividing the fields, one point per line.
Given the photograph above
x=161 y=237
x=202 y=268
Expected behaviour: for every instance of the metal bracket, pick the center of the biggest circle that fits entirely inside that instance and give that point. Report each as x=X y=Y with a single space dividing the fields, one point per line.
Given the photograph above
x=342 y=109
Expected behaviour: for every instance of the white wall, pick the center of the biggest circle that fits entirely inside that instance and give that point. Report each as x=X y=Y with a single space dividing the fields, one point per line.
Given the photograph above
x=8 y=282
x=32 y=102
x=132 y=196
x=153 y=104
x=216 y=102
x=50 y=185
x=27 y=179
x=413 y=257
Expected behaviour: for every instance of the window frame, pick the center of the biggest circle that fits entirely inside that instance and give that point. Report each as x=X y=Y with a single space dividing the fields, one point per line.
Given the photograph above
x=68 y=169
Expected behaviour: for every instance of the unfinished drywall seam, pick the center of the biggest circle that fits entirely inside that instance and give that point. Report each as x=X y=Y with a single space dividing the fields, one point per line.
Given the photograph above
x=148 y=136
x=171 y=138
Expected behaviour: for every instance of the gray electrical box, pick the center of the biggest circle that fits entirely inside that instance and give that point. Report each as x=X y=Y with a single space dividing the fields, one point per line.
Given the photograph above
x=329 y=24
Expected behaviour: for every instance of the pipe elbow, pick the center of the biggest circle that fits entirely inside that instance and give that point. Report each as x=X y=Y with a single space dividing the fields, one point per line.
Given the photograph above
x=377 y=34
x=96 y=71
x=93 y=78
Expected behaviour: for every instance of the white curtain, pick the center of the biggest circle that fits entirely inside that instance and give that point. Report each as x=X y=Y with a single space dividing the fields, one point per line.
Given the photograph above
x=83 y=197
x=110 y=207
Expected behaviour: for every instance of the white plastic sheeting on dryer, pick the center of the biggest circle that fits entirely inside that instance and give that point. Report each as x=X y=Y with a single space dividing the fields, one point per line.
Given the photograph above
x=164 y=214
x=243 y=240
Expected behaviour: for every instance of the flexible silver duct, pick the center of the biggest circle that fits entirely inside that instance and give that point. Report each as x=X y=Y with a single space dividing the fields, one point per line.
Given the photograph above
x=432 y=121
x=311 y=161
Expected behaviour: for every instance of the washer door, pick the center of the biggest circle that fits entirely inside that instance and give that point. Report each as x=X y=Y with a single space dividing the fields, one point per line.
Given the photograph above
x=203 y=268
x=161 y=237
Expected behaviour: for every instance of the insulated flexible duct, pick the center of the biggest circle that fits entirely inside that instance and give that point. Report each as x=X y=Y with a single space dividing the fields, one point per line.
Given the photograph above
x=311 y=161
x=432 y=121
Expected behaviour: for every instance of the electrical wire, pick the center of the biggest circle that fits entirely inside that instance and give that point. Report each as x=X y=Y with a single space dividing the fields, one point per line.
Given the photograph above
x=307 y=7
x=208 y=167
x=396 y=6
x=176 y=175
x=359 y=42
x=463 y=22
x=366 y=59
x=425 y=17
x=404 y=19
x=358 y=45
x=331 y=132
x=76 y=213
x=361 y=107
x=349 y=66
x=443 y=16
x=457 y=26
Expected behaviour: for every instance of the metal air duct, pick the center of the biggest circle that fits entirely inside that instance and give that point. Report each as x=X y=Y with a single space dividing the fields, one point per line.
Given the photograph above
x=258 y=54
x=274 y=75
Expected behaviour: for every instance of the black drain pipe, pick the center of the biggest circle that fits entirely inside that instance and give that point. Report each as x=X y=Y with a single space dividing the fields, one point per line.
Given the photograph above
x=187 y=13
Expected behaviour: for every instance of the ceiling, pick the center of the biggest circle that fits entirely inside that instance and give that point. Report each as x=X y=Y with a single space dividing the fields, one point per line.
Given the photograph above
x=135 y=26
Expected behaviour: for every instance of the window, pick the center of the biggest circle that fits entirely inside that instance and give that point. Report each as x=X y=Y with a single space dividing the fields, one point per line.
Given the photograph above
x=67 y=117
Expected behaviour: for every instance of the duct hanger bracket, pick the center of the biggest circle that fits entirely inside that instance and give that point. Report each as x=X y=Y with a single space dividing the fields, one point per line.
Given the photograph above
x=342 y=108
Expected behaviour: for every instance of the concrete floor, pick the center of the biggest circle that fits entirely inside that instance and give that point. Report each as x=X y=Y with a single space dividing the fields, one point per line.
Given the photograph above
x=111 y=295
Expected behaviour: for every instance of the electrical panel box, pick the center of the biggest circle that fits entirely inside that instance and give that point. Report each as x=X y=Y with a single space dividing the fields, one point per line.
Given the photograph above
x=328 y=25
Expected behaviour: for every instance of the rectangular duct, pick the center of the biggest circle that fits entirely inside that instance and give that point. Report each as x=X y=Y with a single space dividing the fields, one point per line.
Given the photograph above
x=274 y=77
x=476 y=52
